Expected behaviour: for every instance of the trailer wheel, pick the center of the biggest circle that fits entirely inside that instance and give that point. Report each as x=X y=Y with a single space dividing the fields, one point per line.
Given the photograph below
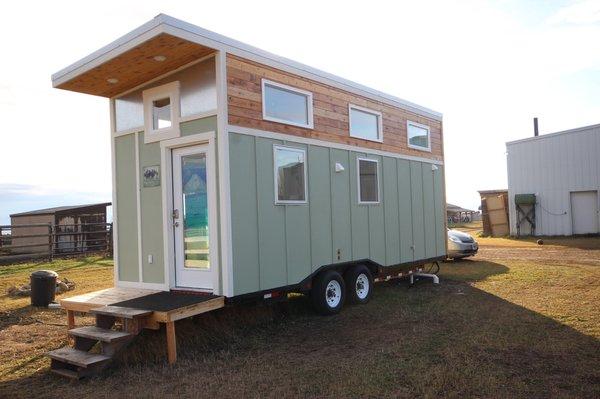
x=328 y=293
x=359 y=284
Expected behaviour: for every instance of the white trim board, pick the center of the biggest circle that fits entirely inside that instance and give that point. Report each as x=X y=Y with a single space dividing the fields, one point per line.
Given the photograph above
x=184 y=119
x=113 y=166
x=223 y=171
x=138 y=197
x=166 y=24
x=321 y=143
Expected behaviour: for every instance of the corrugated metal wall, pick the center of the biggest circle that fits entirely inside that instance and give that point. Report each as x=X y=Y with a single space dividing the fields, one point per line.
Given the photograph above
x=552 y=166
x=278 y=245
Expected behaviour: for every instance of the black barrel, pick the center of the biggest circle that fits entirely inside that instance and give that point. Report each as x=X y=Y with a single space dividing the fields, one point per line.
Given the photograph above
x=43 y=287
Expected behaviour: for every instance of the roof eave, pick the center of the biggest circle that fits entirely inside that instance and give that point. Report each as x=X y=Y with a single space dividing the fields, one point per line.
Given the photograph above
x=166 y=24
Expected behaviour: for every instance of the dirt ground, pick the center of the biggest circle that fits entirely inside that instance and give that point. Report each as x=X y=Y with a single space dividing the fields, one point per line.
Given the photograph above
x=517 y=320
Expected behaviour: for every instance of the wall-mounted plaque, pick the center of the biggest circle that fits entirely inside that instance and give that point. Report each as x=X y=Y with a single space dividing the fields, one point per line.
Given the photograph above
x=151 y=176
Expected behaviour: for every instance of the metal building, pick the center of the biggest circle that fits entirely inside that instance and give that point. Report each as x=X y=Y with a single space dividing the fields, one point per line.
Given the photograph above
x=562 y=170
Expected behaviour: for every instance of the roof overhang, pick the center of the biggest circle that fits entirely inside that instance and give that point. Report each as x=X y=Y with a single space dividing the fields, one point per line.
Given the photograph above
x=132 y=56
x=142 y=55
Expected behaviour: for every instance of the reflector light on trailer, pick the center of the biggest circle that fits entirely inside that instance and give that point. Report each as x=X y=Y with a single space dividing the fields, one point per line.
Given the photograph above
x=273 y=294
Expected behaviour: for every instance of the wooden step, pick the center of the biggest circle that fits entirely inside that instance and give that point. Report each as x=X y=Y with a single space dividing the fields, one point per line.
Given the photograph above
x=77 y=357
x=74 y=375
x=119 y=311
x=99 y=334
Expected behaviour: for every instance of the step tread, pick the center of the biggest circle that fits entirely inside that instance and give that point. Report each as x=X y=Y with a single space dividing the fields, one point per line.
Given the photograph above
x=120 y=311
x=77 y=357
x=99 y=334
x=67 y=373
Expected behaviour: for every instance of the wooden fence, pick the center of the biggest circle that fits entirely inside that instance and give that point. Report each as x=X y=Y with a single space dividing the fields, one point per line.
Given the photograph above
x=27 y=241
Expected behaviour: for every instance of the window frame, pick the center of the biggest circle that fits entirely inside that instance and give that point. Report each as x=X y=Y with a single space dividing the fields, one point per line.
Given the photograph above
x=418 y=147
x=172 y=91
x=309 y=104
x=277 y=201
x=379 y=116
x=376 y=161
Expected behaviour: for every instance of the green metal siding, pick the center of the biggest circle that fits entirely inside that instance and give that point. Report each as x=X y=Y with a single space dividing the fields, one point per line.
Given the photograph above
x=151 y=217
x=340 y=207
x=418 y=228
x=359 y=214
x=405 y=211
x=276 y=245
x=126 y=194
x=196 y=126
x=271 y=219
x=389 y=189
x=297 y=237
x=440 y=214
x=377 y=222
x=428 y=211
x=244 y=215
x=319 y=197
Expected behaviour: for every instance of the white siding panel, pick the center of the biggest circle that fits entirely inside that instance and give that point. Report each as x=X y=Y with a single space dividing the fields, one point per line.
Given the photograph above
x=552 y=166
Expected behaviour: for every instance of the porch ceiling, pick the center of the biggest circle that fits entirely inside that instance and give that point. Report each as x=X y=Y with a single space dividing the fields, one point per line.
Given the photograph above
x=136 y=66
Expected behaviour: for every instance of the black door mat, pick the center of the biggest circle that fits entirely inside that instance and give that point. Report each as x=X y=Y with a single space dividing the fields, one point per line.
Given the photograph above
x=165 y=301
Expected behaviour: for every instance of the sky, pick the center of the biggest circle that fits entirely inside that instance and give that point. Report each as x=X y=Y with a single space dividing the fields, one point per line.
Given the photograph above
x=488 y=66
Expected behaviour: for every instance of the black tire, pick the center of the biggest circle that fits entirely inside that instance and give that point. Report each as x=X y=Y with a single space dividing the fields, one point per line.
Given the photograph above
x=355 y=289
x=323 y=295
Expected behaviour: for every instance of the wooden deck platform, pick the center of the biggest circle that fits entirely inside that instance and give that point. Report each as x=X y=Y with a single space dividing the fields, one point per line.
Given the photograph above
x=85 y=302
x=165 y=307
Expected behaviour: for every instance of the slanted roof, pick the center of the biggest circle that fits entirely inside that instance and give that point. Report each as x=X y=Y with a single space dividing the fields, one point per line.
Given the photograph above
x=456 y=208
x=59 y=209
x=502 y=190
x=584 y=129
x=130 y=60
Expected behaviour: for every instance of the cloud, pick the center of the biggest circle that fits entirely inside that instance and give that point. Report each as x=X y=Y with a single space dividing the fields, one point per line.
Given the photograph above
x=578 y=13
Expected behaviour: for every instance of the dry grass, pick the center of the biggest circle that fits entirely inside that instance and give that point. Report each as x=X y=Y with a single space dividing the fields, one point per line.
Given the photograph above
x=27 y=333
x=507 y=323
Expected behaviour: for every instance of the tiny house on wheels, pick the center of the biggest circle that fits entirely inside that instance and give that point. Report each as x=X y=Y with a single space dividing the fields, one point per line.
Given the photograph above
x=238 y=173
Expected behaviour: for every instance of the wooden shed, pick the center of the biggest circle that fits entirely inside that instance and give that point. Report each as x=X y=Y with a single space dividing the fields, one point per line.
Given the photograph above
x=494 y=212
x=37 y=225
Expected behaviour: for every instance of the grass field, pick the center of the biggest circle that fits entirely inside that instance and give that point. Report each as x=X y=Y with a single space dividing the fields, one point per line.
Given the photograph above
x=517 y=320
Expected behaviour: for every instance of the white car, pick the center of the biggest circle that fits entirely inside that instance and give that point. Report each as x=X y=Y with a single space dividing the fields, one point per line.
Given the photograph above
x=461 y=245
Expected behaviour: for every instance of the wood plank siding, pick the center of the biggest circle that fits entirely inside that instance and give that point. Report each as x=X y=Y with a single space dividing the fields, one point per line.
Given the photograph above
x=330 y=106
x=137 y=66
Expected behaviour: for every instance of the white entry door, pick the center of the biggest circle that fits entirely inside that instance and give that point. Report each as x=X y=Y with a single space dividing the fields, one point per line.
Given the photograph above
x=584 y=212
x=194 y=218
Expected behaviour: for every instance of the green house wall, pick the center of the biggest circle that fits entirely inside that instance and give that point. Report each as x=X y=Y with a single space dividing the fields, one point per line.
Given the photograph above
x=126 y=209
x=278 y=245
x=152 y=238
